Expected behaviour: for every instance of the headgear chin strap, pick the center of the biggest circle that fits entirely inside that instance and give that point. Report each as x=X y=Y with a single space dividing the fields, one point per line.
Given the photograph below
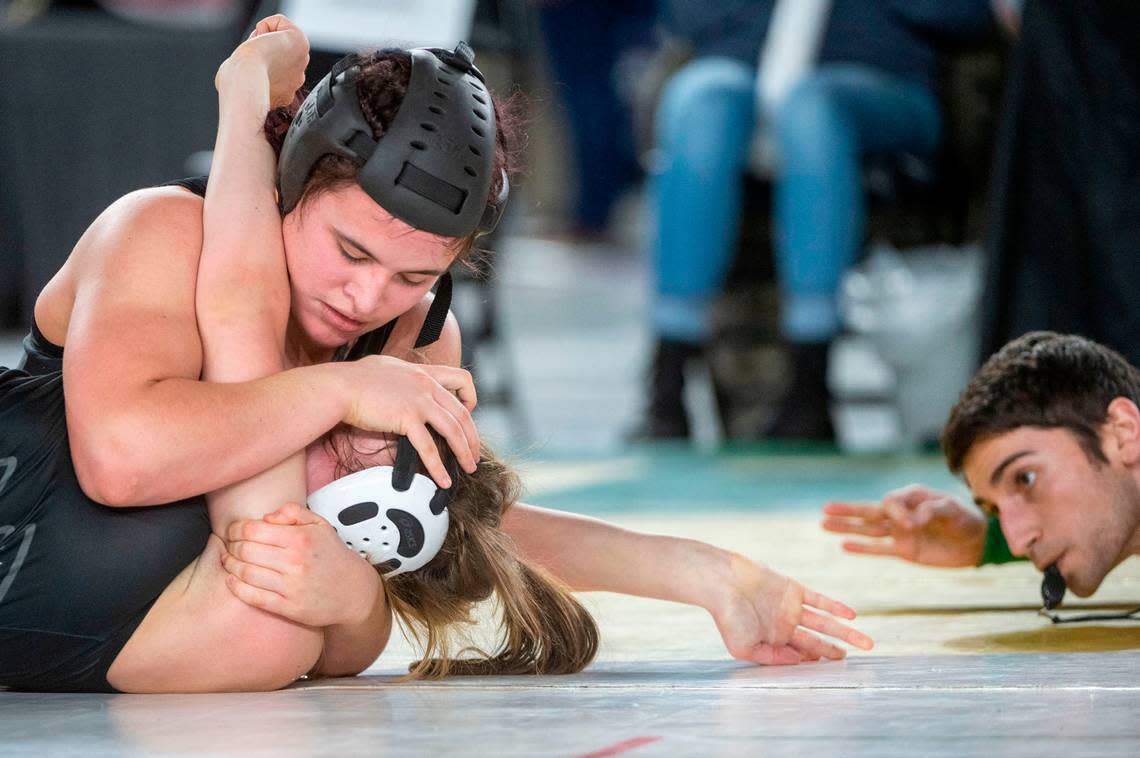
x=433 y=166
x=393 y=516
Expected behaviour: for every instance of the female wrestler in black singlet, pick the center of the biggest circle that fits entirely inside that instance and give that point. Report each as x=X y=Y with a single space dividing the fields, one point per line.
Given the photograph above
x=89 y=573
x=99 y=584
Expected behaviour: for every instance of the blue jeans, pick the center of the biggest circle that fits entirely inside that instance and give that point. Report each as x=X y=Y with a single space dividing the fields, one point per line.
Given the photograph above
x=705 y=123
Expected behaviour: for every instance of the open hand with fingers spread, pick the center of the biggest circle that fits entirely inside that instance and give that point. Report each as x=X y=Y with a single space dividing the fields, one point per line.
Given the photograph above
x=913 y=523
x=767 y=618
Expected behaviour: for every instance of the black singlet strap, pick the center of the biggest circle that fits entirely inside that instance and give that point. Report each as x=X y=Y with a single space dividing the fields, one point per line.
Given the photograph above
x=407 y=459
x=437 y=313
x=196 y=184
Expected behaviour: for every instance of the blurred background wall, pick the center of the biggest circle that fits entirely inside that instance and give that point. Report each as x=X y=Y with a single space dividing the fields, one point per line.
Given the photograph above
x=94 y=105
x=1024 y=216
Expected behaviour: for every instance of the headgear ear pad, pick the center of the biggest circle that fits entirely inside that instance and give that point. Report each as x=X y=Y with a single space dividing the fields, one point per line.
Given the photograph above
x=397 y=531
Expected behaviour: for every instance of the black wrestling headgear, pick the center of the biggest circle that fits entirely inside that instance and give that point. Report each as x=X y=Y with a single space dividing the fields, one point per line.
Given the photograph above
x=432 y=168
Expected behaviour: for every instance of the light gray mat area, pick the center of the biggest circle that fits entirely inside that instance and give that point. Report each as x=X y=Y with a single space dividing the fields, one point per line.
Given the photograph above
x=1011 y=705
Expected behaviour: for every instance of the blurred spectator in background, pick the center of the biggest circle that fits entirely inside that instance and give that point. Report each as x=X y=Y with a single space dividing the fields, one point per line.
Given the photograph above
x=592 y=46
x=1065 y=231
x=871 y=91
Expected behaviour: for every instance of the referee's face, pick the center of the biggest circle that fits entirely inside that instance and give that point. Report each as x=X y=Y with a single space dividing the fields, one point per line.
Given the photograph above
x=1055 y=504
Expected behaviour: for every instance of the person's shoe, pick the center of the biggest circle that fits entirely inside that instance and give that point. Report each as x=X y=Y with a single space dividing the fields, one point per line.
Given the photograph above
x=804 y=413
x=665 y=416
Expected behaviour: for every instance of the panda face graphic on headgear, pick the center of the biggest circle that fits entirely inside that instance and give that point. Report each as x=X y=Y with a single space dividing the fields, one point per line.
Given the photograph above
x=395 y=530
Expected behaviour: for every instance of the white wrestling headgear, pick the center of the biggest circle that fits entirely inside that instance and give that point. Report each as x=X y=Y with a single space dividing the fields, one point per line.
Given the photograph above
x=396 y=529
x=392 y=515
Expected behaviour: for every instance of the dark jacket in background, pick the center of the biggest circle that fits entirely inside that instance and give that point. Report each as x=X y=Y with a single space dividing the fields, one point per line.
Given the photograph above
x=1065 y=229
x=899 y=36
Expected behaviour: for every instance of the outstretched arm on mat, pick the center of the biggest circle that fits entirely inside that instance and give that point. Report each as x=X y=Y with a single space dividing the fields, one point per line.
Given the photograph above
x=762 y=616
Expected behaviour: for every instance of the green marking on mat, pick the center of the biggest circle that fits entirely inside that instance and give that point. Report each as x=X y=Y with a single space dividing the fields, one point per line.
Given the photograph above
x=676 y=479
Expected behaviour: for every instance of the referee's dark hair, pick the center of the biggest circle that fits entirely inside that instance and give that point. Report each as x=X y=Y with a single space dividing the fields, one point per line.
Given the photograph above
x=1041 y=379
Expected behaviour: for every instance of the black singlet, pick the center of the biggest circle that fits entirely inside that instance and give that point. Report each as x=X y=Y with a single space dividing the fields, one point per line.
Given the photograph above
x=77 y=577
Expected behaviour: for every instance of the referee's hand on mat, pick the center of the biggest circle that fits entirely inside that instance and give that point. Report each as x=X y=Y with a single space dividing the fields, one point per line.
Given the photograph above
x=914 y=523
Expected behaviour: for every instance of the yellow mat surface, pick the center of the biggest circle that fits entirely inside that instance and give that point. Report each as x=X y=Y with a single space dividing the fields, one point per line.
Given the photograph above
x=909 y=610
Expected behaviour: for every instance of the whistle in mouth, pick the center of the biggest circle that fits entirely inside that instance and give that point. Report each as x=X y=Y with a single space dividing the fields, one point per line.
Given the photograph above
x=1052 y=587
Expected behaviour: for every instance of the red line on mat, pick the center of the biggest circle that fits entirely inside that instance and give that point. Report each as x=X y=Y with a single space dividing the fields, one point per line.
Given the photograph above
x=621 y=747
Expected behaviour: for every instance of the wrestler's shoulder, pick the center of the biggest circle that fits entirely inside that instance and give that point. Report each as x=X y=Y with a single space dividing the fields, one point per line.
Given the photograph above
x=163 y=223
x=156 y=209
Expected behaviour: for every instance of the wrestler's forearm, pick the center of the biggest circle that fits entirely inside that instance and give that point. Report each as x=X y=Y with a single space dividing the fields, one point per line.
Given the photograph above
x=171 y=443
x=589 y=554
x=242 y=298
x=351 y=648
x=243 y=285
x=242 y=294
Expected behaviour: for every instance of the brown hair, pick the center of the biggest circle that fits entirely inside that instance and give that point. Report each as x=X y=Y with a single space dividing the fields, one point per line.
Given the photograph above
x=1041 y=379
x=381 y=86
x=543 y=629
